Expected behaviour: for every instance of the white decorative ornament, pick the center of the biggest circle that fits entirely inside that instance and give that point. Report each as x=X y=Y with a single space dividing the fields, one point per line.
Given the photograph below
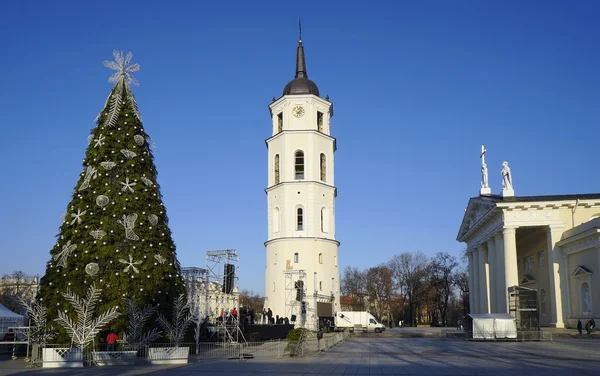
x=90 y=138
x=63 y=216
x=139 y=139
x=77 y=217
x=127 y=185
x=161 y=260
x=129 y=223
x=90 y=172
x=123 y=77
x=130 y=264
x=153 y=219
x=128 y=153
x=92 y=268
x=102 y=201
x=147 y=181
x=62 y=257
x=99 y=141
x=98 y=234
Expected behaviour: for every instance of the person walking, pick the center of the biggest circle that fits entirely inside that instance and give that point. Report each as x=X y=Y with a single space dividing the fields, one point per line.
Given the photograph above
x=319 y=338
x=111 y=340
x=579 y=327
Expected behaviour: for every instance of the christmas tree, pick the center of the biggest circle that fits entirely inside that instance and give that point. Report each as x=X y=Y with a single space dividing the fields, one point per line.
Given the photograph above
x=115 y=234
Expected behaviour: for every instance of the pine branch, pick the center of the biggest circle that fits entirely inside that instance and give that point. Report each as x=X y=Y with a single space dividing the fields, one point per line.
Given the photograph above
x=134 y=106
x=83 y=331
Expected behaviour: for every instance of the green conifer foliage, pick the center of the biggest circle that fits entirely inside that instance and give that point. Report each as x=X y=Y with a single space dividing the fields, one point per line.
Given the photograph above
x=115 y=232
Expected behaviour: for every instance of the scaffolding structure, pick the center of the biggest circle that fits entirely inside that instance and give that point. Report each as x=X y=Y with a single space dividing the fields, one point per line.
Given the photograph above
x=523 y=305
x=223 y=291
x=295 y=283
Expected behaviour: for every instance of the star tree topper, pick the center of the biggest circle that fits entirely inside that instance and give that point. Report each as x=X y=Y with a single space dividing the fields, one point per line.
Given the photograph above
x=122 y=68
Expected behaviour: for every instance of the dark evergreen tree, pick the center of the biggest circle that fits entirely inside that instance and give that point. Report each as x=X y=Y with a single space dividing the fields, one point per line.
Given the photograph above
x=115 y=233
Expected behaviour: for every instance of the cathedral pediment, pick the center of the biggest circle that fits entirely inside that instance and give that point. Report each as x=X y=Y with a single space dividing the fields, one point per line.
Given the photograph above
x=477 y=209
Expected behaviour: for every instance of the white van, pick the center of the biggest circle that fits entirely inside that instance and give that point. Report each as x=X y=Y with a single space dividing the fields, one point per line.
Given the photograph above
x=358 y=321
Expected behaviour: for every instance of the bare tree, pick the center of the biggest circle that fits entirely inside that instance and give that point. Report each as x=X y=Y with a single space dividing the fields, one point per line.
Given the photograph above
x=380 y=291
x=354 y=286
x=461 y=281
x=441 y=279
x=410 y=269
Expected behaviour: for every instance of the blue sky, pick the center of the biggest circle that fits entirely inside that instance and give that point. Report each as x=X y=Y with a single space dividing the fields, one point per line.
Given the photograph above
x=417 y=88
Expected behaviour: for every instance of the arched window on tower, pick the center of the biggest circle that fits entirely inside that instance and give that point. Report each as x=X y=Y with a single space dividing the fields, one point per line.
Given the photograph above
x=299 y=164
x=296 y=258
x=276 y=168
x=321 y=285
x=320 y=258
x=299 y=219
x=276 y=220
x=323 y=167
x=280 y=122
x=320 y=121
x=324 y=224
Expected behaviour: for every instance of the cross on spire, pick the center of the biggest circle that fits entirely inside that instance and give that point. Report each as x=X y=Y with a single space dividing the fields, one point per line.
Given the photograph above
x=300 y=30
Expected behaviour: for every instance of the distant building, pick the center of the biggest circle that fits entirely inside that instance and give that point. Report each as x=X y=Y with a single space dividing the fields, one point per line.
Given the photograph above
x=15 y=286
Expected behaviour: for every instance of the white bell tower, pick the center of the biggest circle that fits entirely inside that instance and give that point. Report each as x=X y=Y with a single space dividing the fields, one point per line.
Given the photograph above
x=301 y=203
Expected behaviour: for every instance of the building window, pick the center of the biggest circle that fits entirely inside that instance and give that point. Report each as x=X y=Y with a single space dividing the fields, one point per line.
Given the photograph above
x=320 y=121
x=296 y=258
x=335 y=261
x=321 y=285
x=276 y=259
x=323 y=167
x=320 y=258
x=324 y=222
x=280 y=122
x=276 y=168
x=299 y=164
x=276 y=220
x=299 y=219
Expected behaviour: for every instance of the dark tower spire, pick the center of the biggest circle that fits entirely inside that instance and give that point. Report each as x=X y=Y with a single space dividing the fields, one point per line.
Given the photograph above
x=300 y=84
x=300 y=61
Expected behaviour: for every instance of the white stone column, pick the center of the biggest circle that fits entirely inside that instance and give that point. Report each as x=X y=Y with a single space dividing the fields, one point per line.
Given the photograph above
x=500 y=290
x=567 y=276
x=511 y=273
x=471 y=282
x=476 y=296
x=557 y=284
x=483 y=280
x=493 y=282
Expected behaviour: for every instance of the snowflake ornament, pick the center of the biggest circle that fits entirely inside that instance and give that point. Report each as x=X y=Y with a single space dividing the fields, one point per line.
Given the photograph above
x=99 y=141
x=77 y=216
x=127 y=185
x=130 y=264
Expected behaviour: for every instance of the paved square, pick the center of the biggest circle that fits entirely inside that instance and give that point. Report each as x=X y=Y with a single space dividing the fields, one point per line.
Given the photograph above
x=391 y=356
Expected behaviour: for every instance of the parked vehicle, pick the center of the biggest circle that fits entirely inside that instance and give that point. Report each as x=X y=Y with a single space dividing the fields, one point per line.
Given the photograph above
x=358 y=321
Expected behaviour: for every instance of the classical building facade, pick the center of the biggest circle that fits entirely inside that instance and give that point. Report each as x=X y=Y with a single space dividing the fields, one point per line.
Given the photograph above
x=301 y=250
x=548 y=243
